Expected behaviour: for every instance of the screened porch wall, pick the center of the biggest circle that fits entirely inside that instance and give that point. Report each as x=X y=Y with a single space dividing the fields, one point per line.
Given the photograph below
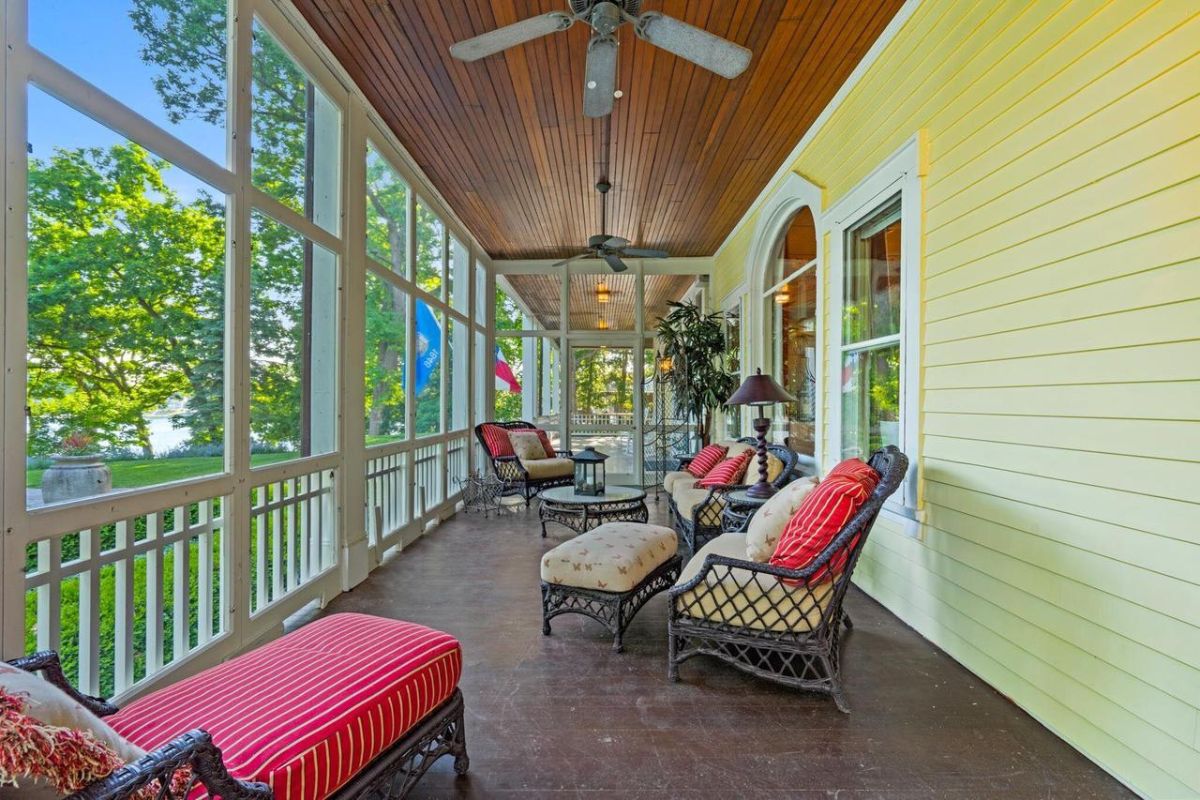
x=144 y=584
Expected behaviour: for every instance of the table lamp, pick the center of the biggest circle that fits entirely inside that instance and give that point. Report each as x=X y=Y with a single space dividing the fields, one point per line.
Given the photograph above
x=760 y=390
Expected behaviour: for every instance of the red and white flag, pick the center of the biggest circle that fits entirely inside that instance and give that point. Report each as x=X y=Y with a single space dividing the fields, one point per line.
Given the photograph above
x=504 y=373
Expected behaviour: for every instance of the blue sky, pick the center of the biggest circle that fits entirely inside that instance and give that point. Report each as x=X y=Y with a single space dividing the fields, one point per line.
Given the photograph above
x=96 y=40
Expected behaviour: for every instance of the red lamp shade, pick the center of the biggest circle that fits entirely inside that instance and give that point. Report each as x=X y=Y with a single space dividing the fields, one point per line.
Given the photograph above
x=759 y=390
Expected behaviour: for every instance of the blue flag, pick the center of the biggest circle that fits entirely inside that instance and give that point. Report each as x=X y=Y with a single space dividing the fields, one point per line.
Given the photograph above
x=429 y=345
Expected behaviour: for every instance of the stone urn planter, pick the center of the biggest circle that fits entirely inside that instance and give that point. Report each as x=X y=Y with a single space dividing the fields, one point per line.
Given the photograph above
x=73 y=477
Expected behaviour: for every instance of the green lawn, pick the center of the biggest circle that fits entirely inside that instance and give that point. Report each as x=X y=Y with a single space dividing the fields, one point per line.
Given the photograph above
x=148 y=472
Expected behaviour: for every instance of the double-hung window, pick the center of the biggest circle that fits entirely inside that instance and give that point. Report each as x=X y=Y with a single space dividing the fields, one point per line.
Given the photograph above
x=875 y=237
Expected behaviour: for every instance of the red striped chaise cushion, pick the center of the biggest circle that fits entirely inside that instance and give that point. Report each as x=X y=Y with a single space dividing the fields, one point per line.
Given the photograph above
x=705 y=460
x=818 y=521
x=496 y=439
x=308 y=711
x=728 y=473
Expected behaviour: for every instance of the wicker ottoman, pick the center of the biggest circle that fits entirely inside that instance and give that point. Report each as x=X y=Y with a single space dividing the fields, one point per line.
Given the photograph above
x=609 y=573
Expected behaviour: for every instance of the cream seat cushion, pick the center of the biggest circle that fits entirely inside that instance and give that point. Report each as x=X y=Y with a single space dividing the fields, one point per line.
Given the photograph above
x=527 y=446
x=614 y=557
x=679 y=476
x=687 y=498
x=548 y=467
x=745 y=599
x=767 y=524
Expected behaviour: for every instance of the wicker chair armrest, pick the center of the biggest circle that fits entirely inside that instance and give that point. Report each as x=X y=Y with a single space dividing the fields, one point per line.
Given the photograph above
x=685 y=460
x=194 y=749
x=46 y=662
x=505 y=464
x=714 y=560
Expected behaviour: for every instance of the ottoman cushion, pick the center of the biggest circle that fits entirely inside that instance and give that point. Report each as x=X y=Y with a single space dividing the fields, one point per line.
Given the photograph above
x=614 y=557
x=308 y=711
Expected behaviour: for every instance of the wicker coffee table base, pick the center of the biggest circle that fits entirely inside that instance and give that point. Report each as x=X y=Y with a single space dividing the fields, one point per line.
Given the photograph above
x=613 y=610
x=580 y=518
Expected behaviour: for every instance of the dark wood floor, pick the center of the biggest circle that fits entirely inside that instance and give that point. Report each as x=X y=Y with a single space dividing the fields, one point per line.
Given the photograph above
x=565 y=717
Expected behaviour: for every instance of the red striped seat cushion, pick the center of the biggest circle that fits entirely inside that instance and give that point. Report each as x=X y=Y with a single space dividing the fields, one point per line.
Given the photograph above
x=705 y=460
x=495 y=438
x=817 y=522
x=728 y=473
x=550 y=452
x=308 y=711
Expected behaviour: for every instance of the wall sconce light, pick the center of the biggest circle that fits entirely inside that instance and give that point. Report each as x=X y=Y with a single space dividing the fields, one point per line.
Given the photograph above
x=782 y=297
x=664 y=364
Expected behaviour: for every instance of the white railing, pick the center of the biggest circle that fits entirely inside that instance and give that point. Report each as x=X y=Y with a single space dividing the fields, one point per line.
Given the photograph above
x=293 y=526
x=456 y=462
x=621 y=419
x=387 y=496
x=120 y=602
x=428 y=477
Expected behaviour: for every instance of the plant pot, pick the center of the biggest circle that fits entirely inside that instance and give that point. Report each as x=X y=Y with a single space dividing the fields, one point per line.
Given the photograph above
x=73 y=477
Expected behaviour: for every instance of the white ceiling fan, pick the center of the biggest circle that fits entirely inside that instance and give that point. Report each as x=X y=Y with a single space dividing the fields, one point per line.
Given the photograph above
x=675 y=36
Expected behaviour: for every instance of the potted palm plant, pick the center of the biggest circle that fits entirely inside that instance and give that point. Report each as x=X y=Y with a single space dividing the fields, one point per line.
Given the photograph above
x=78 y=470
x=693 y=344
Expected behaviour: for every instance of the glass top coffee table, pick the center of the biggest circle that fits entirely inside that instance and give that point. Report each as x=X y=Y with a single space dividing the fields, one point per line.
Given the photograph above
x=582 y=512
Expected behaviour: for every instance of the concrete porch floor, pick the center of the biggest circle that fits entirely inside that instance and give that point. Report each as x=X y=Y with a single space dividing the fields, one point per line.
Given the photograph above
x=564 y=717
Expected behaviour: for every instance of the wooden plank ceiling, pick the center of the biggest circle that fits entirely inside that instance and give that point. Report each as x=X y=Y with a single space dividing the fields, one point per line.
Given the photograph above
x=543 y=298
x=506 y=143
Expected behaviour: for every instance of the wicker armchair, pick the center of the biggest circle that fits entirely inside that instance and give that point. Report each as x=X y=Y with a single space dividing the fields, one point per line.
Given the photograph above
x=776 y=623
x=700 y=521
x=513 y=472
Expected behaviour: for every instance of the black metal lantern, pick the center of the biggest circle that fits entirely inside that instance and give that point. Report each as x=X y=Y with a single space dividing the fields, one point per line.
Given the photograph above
x=589 y=471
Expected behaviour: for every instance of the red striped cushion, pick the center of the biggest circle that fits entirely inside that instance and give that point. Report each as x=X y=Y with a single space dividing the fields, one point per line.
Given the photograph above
x=818 y=521
x=550 y=452
x=859 y=470
x=705 y=460
x=308 y=711
x=729 y=472
x=496 y=440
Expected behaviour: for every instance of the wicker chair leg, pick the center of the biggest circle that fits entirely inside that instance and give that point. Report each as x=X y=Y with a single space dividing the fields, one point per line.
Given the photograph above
x=458 y=746
x=835 y=684
x=672 y=664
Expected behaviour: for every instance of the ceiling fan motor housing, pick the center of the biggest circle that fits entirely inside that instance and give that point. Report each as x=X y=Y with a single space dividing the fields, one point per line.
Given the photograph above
x=632 y=7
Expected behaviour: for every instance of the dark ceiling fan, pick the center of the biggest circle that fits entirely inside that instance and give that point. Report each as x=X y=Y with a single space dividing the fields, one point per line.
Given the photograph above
x=611 y=248
x=600 y=75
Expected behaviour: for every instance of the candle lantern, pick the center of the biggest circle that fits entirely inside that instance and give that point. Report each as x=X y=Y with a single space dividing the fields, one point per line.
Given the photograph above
x=589 y=471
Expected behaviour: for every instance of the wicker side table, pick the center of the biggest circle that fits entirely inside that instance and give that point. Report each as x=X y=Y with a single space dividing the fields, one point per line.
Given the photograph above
x=739 y=510
x=483 y=493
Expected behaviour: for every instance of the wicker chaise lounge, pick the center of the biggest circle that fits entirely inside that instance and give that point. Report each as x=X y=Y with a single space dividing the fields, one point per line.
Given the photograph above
x=365 y=720
x=781 y=624
x=528 y=477
x=696 y=513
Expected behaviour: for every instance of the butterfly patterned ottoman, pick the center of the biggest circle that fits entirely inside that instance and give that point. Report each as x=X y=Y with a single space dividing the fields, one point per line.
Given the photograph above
x=608 y=574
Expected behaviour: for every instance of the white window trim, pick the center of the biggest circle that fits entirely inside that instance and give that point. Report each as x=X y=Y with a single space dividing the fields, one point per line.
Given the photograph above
x=901 y=173
x=793 y=194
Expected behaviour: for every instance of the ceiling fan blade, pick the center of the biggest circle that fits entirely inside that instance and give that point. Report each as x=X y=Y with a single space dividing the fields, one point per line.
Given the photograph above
x=615 y=242
x=600 y=77
x=694 y=44
x=573 y=258
x=486 y=44
x=642 y=252
x=617 y=264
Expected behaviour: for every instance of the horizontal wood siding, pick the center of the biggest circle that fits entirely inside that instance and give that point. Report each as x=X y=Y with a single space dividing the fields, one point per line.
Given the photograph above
x=1060 y=559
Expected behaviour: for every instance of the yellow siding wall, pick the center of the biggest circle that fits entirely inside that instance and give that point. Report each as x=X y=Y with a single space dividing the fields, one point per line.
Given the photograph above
x=1061 y=359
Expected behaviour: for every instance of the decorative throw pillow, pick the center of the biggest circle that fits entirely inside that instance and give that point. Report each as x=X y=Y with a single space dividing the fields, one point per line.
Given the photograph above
x=858 y=469
x=774 y=467
x=728 y=473
x=496 y=439
x=768 y=522
x=46 y=702
x=817 y=522
x=527 y=445
x=706 y=459
x=549 y=448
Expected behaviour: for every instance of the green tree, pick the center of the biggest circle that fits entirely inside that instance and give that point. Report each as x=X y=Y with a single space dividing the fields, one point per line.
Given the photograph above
x=125 y=281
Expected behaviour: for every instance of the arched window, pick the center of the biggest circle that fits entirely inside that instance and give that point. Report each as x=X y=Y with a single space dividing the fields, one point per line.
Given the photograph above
x=790 y=303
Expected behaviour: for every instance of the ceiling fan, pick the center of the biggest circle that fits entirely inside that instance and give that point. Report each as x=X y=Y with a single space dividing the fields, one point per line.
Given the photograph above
x=611 y=248
x=600 y=75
